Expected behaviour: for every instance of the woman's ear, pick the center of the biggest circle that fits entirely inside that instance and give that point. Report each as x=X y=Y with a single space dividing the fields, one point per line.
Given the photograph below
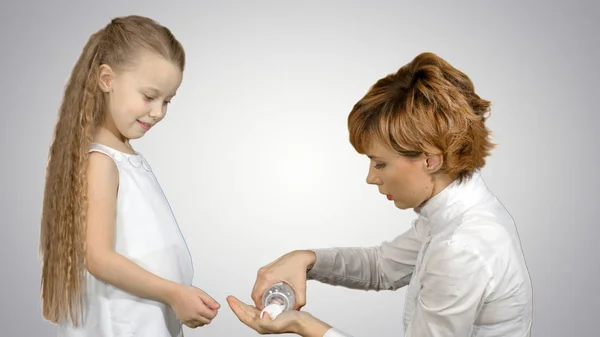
x=105 y=78
x=433 y=162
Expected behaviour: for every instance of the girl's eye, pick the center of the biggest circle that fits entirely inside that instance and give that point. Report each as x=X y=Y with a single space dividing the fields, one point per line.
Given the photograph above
x=379 y=165
x=148 y=98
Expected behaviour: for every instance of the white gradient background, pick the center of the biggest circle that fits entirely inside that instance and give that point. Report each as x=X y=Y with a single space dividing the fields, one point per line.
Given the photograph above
x=254 y=153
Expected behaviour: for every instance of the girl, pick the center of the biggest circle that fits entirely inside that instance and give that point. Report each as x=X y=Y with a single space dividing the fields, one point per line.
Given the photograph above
x=114 y=260
x=423 y=130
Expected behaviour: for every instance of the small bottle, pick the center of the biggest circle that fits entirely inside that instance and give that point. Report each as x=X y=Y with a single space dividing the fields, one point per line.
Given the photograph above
x=278 y=298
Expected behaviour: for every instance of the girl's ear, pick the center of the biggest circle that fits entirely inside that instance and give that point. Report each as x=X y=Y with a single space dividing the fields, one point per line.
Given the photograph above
x=105 y=78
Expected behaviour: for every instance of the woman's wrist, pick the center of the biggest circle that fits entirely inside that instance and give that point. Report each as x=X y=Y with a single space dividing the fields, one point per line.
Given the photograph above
x=310 y=326
x=308 y=257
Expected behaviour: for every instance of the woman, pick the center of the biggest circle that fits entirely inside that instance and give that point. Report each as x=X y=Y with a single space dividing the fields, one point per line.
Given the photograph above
x=423 y=130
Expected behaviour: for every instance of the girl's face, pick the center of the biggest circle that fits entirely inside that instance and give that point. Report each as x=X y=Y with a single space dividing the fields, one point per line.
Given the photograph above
x=138 y=96
x=408 y=182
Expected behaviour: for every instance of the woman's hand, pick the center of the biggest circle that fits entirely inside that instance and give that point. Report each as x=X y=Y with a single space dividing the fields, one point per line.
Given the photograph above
x=290 y=268
x=293 y=321
x=193 y=307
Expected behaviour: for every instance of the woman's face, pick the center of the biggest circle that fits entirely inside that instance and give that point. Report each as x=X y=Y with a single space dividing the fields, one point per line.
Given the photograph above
x=408 y=182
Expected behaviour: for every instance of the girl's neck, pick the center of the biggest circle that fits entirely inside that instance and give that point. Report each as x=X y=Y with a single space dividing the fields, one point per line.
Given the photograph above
x=112 y=138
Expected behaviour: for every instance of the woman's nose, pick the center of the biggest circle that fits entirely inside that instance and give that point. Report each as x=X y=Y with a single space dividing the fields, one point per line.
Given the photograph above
x=373 y=179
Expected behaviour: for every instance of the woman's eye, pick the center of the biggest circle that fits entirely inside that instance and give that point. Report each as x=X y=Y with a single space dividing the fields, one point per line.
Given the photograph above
x=379 y=165
x=148 y=98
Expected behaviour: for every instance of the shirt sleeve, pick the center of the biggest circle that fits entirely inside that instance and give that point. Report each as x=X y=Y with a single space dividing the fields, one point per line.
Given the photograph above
x=452 y=291
x=333 y=332
x=385 y=267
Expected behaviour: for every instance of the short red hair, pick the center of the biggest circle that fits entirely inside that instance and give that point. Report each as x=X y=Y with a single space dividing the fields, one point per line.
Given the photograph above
x=427 y=106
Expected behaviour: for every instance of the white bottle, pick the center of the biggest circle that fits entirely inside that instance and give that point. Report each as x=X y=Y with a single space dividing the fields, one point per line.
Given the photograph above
x=278 y=298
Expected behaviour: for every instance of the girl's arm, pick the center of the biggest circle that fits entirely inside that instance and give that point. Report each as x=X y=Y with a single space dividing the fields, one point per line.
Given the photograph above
x=101 y=260
x=192 y=306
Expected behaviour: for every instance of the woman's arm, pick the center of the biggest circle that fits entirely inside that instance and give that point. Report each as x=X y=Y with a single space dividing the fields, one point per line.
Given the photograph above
x=452 y=291
x=388 y=266
x=385 y=267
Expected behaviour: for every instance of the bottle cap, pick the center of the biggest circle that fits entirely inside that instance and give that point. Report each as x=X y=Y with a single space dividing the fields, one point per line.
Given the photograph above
x=273 y=309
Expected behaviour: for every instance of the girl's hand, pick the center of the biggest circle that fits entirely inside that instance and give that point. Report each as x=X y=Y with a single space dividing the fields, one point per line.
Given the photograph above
x=193 y=307
x=293 y=321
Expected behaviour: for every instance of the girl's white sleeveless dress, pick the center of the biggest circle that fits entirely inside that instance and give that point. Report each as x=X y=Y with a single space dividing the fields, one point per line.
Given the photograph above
x=147 y=233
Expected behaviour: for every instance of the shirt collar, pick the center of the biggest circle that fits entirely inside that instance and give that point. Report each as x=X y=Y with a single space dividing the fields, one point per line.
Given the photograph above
x=452 y=201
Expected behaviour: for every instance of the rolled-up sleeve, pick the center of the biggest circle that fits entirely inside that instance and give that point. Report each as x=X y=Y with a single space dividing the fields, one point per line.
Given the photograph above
x=452 y=291
x=385 y=267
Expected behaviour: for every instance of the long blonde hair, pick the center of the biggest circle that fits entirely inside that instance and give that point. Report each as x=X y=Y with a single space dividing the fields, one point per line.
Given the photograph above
x=63 y=223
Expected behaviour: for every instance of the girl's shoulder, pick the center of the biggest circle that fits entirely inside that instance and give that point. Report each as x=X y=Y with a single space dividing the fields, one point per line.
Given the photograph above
x=102 y=170
x=111 y=152
x=122 y=160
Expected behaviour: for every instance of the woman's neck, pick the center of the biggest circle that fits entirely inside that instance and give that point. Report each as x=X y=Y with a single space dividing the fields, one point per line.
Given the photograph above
x=440 y=181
